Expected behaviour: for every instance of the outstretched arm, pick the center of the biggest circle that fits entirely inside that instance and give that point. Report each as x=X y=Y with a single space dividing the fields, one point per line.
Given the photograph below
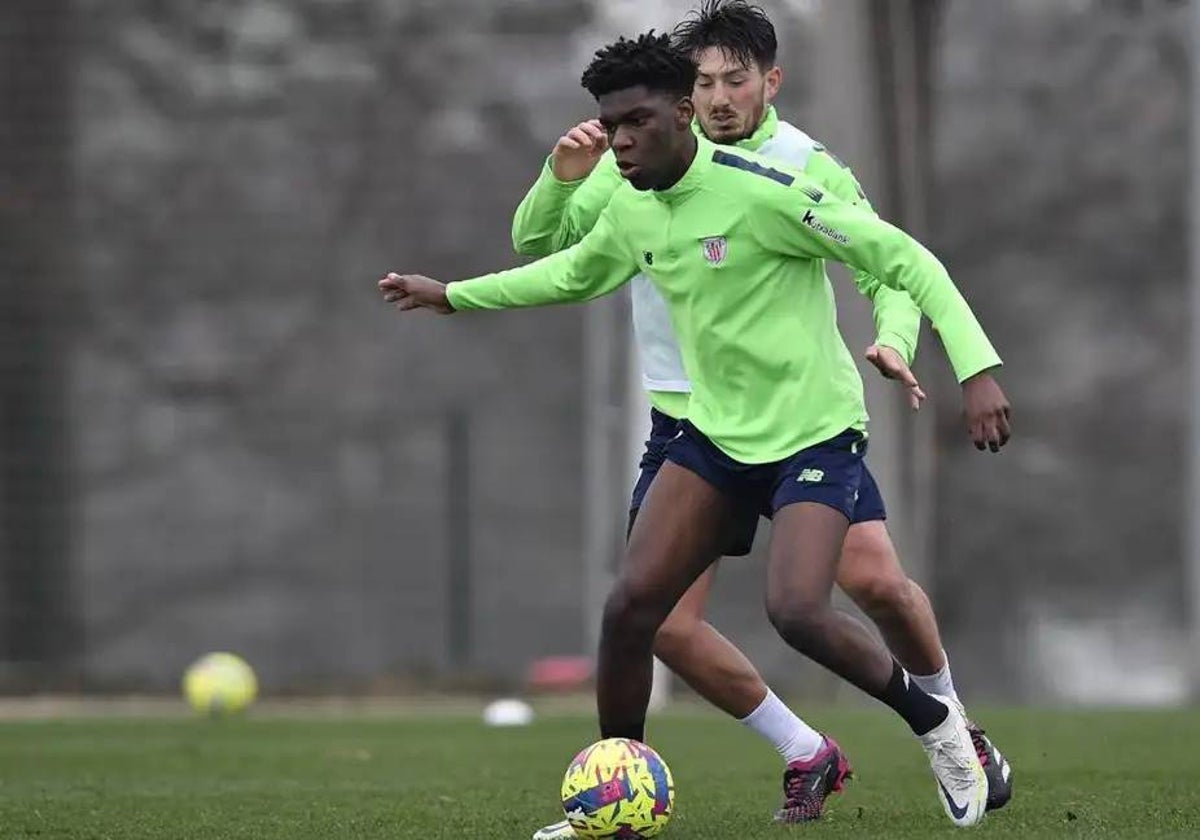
x=596 y=266
x=802 y=222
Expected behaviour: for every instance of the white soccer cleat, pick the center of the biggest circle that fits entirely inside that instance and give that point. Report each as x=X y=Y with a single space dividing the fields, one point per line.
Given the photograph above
x=996 y=768
x=558 y=831
x=962 y=785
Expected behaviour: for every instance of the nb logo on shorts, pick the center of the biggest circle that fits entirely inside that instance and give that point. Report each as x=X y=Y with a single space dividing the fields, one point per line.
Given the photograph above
x=815 y=476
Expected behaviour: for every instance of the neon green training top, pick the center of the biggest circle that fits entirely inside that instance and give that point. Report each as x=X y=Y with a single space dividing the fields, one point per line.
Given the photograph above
x=557 y=214
x=735 y=247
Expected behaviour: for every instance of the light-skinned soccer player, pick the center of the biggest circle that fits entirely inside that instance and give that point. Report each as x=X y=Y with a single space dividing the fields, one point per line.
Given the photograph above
x=735 y=47
x=736 y=248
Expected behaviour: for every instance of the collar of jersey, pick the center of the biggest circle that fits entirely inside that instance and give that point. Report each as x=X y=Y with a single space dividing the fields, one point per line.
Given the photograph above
x=694 y=176
x=765 y=131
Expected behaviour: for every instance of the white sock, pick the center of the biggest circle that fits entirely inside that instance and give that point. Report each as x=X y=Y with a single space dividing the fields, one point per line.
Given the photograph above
x=940 y=683
x=791 y=737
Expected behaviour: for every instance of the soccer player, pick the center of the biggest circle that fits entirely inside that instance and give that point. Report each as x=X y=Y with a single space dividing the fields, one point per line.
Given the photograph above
x=736 y=248
x=735 y=46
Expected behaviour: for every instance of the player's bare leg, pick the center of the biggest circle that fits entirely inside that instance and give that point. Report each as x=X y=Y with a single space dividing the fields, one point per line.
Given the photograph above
x=806 y=545
x=708 y=662
x=678 y=534
x=720 y=673
x=870 y=573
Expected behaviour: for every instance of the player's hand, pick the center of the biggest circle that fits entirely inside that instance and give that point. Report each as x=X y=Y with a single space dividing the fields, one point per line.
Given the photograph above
x=578 y=151
x=892 y=366
x=987 y=412
x=412 y=291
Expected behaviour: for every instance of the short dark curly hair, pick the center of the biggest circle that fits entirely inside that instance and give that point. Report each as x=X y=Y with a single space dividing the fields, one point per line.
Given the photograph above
x=653 y=61
x=740 y=28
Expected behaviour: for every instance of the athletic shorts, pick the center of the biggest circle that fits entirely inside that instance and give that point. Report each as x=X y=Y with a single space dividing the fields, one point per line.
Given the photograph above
x=831 y=473
x=662 y=429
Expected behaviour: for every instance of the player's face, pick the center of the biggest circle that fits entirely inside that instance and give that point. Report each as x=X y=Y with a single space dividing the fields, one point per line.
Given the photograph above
x=649 y=133
x=731 y=97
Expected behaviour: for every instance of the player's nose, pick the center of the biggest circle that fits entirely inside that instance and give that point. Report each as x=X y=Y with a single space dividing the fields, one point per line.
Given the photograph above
x=622 y=139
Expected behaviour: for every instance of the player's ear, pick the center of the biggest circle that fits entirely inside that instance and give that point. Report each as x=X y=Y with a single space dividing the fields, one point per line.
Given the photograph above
x=685 y=112
x=773 y=79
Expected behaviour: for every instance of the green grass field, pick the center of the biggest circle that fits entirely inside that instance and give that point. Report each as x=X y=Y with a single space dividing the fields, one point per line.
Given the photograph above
x=1078 y=774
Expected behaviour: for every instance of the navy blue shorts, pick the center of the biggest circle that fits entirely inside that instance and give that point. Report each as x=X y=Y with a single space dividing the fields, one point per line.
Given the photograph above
x=832 y=473
x=662 y=429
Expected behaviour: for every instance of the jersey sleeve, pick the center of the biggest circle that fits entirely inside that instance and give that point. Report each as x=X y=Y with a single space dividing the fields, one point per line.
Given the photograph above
x=599 y=264
x=897 y=316
x=557 y=214
x=803 y=221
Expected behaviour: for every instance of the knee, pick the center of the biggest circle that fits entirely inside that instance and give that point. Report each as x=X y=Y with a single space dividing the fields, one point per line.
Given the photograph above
x=675 y=637
x=880 y=593
x=870 y=573
x=798 y=619
x=631 y=613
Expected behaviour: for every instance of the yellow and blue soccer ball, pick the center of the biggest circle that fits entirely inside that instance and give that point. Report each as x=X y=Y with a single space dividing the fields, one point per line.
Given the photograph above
x=219 y=684
x=620 y=789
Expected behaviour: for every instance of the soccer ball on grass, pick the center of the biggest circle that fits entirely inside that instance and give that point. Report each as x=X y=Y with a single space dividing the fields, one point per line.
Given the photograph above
x=618 y=788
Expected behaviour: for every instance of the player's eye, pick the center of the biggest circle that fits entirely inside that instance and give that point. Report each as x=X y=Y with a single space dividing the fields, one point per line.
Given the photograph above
x=704 y=83
x=736 y=81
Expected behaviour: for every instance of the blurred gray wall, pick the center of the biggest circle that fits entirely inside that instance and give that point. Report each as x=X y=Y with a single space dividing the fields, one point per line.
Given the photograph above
x=1061 y=167
x=260 y=449
x=263 y=445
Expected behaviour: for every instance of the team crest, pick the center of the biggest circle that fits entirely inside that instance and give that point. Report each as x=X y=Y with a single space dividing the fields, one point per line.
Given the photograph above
x=714 y=248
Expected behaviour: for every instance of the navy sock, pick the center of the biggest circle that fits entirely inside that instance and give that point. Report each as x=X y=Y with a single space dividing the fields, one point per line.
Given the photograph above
x=920 y=711
x=632 y=731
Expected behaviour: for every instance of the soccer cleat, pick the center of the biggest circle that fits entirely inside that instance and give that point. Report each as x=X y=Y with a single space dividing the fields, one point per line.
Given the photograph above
x=995 y=767
x=962 y=784
x=807 y=783
x=558 y=831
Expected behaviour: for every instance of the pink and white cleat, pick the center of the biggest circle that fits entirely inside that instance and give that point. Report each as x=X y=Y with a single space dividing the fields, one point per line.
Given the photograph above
x=807 y=783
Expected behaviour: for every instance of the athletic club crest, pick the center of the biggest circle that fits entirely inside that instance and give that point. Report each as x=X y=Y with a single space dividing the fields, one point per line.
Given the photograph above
x=714 y=249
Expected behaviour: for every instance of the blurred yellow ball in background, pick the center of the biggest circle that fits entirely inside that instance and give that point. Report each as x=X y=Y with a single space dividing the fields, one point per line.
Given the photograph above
x=219 y=684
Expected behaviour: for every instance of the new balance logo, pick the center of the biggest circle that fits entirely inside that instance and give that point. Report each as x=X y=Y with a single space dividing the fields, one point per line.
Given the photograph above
x=811 y=475
x=812 y=192
x=824 y=229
